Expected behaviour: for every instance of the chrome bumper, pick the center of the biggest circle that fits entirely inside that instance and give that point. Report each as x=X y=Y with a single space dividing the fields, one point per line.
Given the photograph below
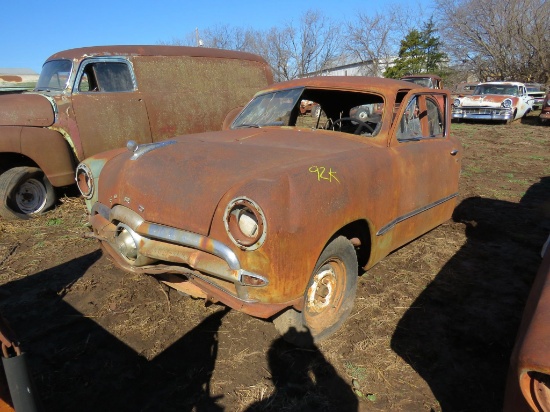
x=154 y=242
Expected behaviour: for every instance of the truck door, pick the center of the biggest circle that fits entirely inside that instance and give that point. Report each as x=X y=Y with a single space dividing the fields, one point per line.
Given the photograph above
x=108 y=107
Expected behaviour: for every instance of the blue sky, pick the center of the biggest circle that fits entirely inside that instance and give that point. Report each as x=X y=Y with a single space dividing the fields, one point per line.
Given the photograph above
x=33 y=30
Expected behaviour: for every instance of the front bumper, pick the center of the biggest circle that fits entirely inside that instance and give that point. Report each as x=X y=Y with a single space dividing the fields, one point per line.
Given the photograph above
x=207 y=263
x=483 y=113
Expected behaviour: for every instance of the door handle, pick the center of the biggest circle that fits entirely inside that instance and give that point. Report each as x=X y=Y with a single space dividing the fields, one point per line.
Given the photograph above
x=454 y=152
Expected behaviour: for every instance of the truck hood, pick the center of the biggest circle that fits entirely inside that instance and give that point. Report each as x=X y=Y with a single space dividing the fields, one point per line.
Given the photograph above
x=487 y=100
x=26 y=109
x=181 y=184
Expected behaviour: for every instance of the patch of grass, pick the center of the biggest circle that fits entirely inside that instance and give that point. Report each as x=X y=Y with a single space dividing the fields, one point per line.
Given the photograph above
x=474 y=169
x=55 y=221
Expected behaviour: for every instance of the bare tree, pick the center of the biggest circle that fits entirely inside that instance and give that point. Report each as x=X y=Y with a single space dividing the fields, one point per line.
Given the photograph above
x=375 y=39
x=499 y=39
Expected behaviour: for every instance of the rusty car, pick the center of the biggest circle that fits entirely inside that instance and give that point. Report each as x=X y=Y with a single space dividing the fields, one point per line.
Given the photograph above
x=93 y=99
x=431 y=81
x=544 y=116
x=528 y=383
x=274 y=216
x=494 y=101
x=464 y=89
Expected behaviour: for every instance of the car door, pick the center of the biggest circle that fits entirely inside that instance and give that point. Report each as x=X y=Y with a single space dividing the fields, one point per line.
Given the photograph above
x=427 y=161
x=525 y=102
x=108 y=107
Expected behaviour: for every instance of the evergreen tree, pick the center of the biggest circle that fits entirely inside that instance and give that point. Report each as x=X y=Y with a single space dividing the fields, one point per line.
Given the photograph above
x=420 y=52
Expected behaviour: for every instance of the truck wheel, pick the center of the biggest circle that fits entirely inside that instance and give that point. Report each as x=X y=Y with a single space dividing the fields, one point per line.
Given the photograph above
x=328 y=299
x=25 y=192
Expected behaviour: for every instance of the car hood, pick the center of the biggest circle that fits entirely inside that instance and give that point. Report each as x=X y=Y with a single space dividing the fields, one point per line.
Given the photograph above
x=487 y=100
x=26 y=109
x=181 y=182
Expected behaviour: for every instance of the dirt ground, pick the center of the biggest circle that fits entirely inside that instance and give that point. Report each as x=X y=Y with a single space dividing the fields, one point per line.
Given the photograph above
x=432 y=328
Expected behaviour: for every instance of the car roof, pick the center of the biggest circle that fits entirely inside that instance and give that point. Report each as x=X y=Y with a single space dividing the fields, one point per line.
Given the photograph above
x=147 y=50
x=503 y=83
x=421 y=76
x=358 y=83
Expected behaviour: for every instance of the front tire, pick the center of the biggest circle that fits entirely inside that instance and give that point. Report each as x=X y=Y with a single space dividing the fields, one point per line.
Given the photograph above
x=328 y=299
x=25 y=192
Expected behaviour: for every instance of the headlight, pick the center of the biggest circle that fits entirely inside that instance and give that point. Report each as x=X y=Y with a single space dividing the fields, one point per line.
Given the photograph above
x=507 y=103
x=84 y=180
x=245 y=223
x=456 y=103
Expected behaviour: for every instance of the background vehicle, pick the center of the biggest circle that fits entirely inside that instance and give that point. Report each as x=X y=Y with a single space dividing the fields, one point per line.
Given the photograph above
x=94 y=99
x=500 y=101
x=537 y=92
x=431 y=81
x=544 y=116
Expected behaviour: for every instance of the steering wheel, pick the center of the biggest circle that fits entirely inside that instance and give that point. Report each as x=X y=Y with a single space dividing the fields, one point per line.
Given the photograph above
x=360 y=124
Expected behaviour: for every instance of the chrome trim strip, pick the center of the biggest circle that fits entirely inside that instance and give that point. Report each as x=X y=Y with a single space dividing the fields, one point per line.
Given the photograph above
x=193 y=240
x=400 y=219
x=140 y=150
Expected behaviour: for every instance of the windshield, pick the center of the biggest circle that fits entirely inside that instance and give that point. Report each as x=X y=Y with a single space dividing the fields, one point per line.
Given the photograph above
x=271 y=109
x=421 y=81
x=55 y=75
x=504 y=89
x=345 y=111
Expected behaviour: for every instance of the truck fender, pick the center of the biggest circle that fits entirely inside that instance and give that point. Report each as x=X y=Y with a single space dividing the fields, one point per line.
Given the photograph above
x=51 y=152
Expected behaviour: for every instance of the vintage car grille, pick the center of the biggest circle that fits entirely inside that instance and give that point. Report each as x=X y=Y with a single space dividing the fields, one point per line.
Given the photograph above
x=484 y=110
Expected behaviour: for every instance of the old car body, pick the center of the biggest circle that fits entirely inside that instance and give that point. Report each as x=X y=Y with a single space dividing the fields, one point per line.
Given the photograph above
x=273 y=216
x=537 y=92
x=544 y=116
x=431 y=81
x=94 y=99
x=494 y=101
x=528 y=384
x=464 y=89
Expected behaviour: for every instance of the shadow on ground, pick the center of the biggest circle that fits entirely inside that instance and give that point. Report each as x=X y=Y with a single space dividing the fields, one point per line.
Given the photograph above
x=89 y=369
x=460 y=331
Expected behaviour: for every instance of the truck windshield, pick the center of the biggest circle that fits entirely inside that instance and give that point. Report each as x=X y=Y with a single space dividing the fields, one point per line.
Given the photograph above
x=55 y=75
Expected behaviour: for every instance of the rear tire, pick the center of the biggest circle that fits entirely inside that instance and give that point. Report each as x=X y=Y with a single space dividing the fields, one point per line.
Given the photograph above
x=25 y=192
x=328 y=299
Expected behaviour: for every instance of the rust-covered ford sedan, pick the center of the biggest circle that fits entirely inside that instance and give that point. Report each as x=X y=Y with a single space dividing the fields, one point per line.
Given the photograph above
x=275 y=215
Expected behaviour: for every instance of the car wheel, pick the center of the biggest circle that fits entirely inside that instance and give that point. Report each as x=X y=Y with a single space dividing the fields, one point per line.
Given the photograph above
x=328 y=299
x=24 y=192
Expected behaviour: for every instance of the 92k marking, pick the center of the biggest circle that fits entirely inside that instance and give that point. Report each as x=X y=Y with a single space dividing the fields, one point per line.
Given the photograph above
x=323 y=173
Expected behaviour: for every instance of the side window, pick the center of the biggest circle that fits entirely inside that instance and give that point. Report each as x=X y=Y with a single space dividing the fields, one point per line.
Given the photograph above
x=422 y=119
x=106 y=77
x=435 y=118
x=409 y=125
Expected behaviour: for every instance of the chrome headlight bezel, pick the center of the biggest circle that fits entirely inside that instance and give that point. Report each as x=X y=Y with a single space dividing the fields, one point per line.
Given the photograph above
x=245 y=223
x=84 y=180
x=507 y=103
x=456 y=102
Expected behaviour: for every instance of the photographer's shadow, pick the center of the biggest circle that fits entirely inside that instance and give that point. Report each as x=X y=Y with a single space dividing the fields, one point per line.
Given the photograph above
x=304 y=380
